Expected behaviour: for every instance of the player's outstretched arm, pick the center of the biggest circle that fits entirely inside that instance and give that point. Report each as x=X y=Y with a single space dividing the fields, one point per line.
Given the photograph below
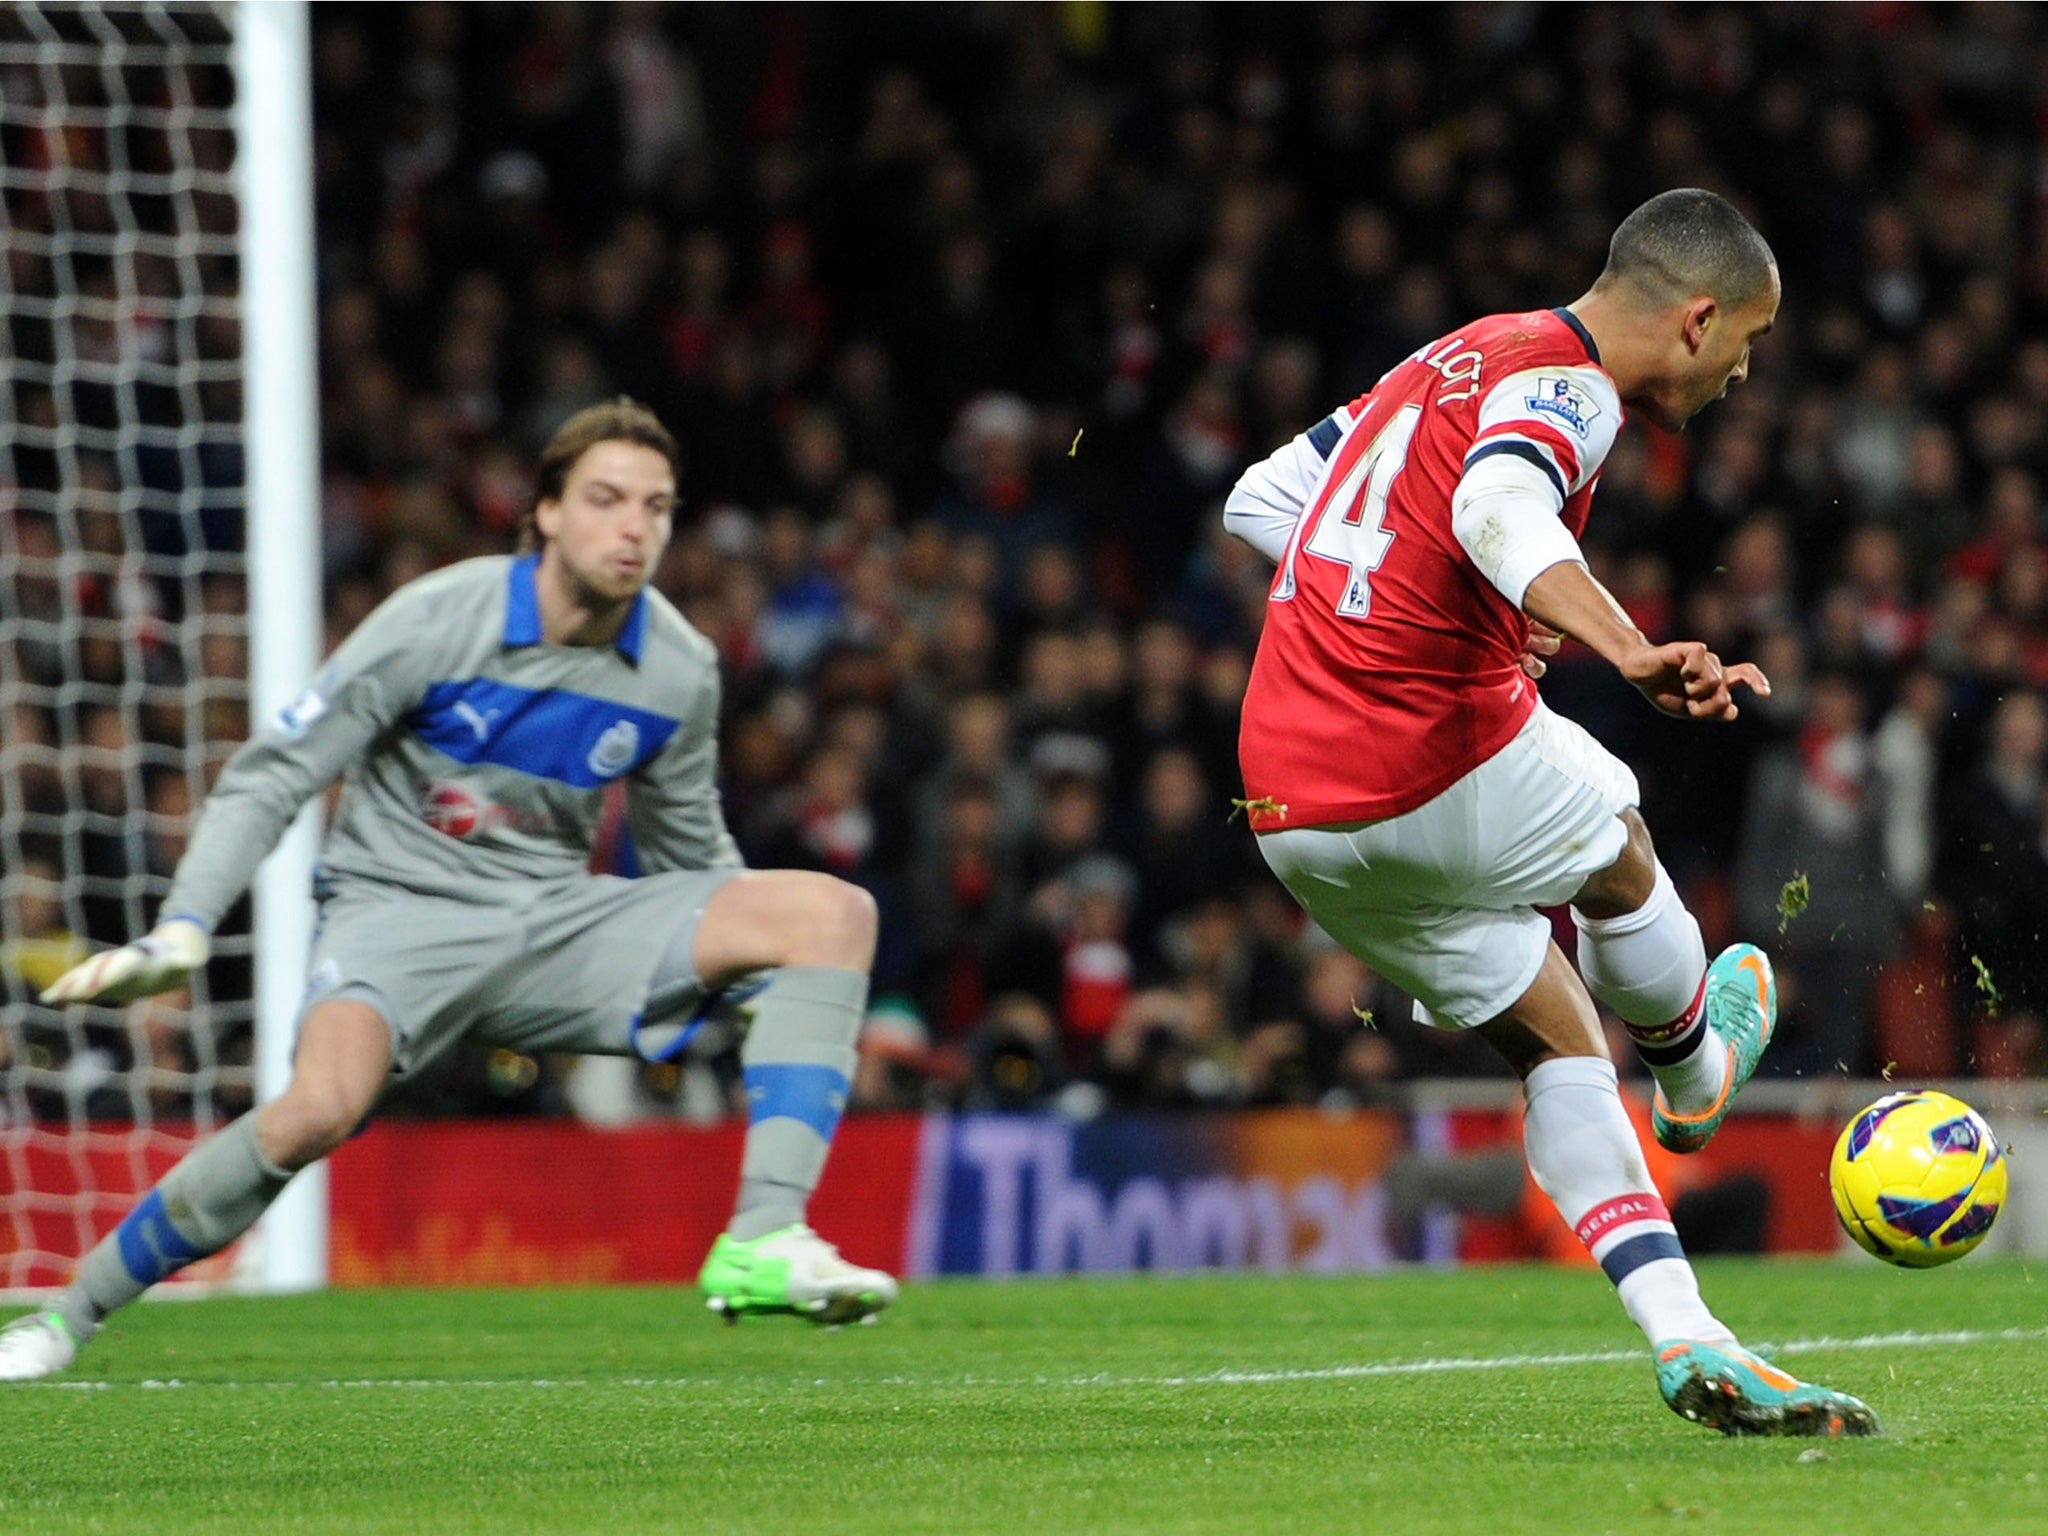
x=258 y=793
x=163 y=959
x=1269 y=498
x=1680 y=677
x=376 y=674
x=1505 y=515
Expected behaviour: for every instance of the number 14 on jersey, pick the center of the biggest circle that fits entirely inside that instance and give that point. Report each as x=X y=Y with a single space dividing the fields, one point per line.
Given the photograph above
x=1345 y=524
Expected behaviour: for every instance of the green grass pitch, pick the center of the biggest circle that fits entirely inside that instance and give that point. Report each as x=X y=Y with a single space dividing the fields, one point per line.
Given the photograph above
x=1484 y=1400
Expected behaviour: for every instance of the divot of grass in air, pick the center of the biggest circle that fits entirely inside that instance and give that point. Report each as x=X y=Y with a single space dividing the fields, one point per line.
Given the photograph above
x=1986 y=987
x=1265 y=803
x=1793 y=896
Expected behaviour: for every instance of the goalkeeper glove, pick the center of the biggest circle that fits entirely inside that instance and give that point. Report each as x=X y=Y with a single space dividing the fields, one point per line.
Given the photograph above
x=159 y=961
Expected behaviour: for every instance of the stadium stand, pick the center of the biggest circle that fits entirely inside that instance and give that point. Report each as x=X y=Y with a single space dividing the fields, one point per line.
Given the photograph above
x=968 y=317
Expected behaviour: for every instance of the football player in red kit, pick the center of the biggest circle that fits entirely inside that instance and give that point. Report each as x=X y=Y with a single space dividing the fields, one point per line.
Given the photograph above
x=1411 y=790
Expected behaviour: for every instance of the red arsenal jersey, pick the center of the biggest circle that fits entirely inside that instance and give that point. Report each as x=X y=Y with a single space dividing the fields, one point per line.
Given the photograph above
x=1390 y=667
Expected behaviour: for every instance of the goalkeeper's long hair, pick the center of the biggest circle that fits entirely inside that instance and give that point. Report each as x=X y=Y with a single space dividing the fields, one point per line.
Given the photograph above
x=620 y=420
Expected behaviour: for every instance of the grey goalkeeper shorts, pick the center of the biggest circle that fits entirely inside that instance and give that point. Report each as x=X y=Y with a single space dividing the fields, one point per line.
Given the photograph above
x=560 y=965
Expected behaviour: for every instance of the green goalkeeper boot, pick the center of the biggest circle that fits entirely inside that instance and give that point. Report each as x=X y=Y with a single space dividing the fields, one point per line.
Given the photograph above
x=36 y=1346
x=792 y=1270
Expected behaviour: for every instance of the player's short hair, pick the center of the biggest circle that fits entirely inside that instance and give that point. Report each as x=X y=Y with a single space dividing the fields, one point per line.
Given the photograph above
x=1685 y=242
x=619 y=420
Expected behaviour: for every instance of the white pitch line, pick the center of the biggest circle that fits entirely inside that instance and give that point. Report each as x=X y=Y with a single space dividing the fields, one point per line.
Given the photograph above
x=1225 y=1377
x=1601 y=1357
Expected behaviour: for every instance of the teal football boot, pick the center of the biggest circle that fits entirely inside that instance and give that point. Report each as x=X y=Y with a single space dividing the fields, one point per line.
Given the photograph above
x=1742 y=1010
x=1725 y=1387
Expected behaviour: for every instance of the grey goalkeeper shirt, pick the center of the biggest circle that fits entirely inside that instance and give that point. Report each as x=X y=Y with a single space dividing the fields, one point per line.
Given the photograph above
x=475 y=753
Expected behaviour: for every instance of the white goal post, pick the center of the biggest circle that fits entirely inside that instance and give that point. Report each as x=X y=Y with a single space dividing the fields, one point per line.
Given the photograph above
x=159 y=586
x=281 y=424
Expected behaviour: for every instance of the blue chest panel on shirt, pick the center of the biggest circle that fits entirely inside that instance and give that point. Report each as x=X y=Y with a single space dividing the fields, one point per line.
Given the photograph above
x=551 y=733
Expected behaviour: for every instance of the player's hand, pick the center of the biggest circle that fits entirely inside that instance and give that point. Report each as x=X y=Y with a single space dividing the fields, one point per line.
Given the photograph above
x=1543 y=642
x=162 y=959
x=1684 y=678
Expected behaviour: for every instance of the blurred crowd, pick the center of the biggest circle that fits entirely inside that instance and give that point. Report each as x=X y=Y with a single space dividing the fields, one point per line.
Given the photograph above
x=968 y=317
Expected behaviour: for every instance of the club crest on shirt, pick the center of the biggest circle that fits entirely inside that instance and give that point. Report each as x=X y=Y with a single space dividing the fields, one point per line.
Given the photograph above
x=615 y=750
x=1560 y=399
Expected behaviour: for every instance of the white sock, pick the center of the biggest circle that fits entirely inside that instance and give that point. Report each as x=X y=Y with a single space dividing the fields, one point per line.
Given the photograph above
x=1585 y=1156
x=1650 y=967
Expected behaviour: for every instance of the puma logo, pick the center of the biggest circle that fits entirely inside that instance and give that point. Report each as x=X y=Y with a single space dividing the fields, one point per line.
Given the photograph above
x=477 y=720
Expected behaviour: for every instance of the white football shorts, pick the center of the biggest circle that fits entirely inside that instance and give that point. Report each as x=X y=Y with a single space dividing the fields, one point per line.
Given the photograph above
x=1442 y=900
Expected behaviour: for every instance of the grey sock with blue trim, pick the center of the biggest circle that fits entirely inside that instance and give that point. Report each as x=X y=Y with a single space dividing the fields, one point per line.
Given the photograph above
x=798 y=1067
x=209 y=1199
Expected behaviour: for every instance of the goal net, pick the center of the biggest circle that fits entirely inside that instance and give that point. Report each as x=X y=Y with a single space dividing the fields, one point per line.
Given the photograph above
x=124 y=635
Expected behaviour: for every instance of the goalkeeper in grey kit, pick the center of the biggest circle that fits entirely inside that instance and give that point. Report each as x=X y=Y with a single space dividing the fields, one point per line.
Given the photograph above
x=479 y=715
